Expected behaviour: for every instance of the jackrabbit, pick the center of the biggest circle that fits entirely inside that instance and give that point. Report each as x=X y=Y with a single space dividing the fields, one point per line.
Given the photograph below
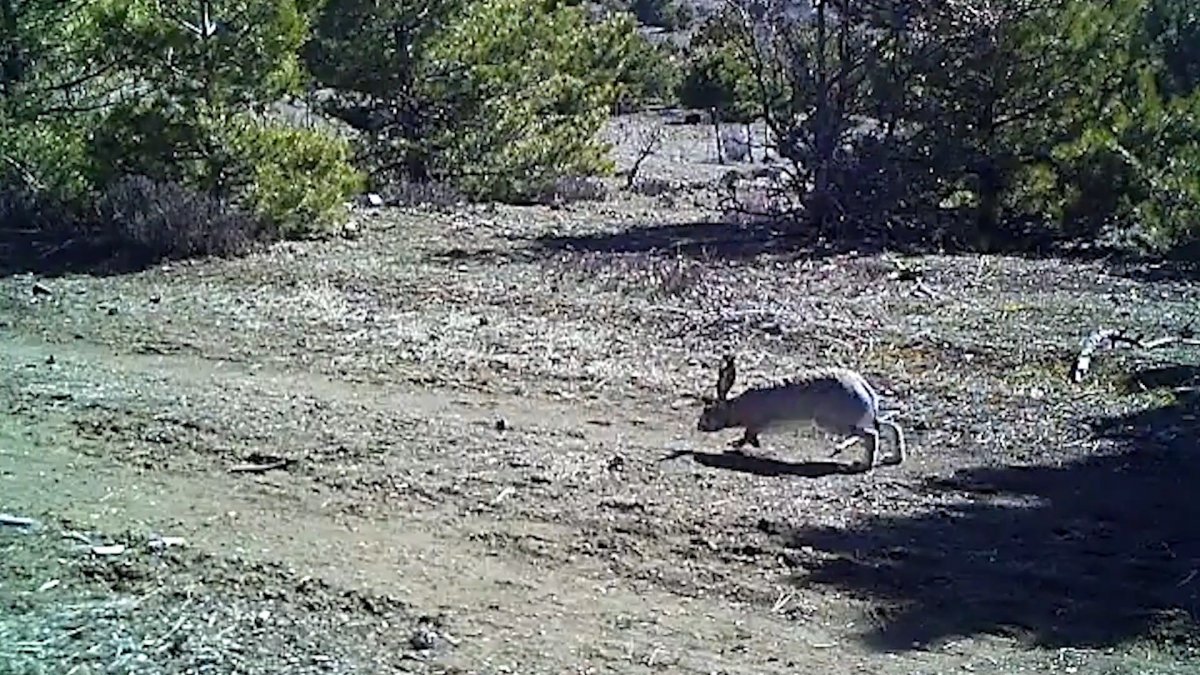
x=837 y=400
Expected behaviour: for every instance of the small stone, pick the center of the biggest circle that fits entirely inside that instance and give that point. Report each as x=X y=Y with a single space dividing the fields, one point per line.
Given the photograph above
x=21 y=523
x=501 y=425
x=767 y=527
x=114 y=549
x=423 y=639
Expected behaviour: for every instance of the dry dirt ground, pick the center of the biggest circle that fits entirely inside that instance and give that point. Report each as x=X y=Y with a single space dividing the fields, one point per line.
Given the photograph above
x=492 y=464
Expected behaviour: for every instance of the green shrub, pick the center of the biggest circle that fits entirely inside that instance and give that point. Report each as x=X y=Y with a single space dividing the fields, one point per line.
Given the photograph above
x=717 y=74
x=48 y=155
x=653 y=73
x=534 y=87
x=151 y=137
x=296 y=180
x=494 y=98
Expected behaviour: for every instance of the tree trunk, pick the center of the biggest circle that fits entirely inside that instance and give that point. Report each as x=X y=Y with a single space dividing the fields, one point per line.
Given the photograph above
x=716 y=120
x=987 y=219
x=822 y=131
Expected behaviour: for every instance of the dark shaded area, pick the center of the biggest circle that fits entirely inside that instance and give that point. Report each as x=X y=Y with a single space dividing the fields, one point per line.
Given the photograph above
x=134 y=224
x=714 y=239
x=50 y=255
x=1181 y=265
x=1089 y=554
x=1163 y=377
x=764 y=466
x=725 y=241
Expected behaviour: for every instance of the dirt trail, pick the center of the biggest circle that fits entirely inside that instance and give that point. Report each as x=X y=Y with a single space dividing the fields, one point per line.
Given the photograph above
x=522 y=613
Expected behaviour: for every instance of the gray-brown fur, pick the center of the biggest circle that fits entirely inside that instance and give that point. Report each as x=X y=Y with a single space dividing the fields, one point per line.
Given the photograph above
x=839 y=401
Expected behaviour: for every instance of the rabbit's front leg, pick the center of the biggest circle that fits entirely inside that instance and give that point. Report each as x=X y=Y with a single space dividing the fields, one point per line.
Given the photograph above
x=749 y=437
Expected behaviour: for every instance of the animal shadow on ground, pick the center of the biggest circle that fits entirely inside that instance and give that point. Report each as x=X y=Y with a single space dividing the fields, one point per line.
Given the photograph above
x=1088 y=554
x=763 y=466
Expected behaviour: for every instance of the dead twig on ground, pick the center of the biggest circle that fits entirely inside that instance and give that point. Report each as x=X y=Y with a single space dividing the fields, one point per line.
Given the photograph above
x=260 y=467
x=925 y=290
x=9 y=520
x=1111 y=337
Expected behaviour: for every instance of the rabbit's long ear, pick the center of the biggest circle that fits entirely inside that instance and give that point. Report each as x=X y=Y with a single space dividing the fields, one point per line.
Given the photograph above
x=726 y=377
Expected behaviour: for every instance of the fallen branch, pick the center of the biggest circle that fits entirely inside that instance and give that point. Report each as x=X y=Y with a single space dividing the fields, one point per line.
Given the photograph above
x=262 y=467
x=9 y=520
x=1111 y=338
x=926 y=290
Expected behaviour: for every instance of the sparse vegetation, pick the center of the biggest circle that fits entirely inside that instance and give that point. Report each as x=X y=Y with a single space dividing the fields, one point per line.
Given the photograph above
x=381 y=365
x=1068 y=117
x=719 y=78
x=103 y=90
x=450 y=424
x=978 y=126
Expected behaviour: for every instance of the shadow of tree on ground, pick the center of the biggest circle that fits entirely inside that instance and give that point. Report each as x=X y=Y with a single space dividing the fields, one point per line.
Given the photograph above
x=719 y=239
x=1091 y=553
x=53 y=256
x=725 y=241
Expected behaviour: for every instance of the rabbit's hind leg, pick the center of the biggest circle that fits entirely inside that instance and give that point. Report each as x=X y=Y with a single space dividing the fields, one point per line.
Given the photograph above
x=900 y=454
x=841 y=447
x=870 y=438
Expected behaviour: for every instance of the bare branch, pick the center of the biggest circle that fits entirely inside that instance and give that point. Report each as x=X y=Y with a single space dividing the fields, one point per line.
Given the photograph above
x=649 y=141
x=26 y=175
x=1111 y=338
x=262 y=467
x=75 y=82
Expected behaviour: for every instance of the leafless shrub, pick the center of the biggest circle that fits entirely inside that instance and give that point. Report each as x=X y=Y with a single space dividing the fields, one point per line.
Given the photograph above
x=654 y=187
x=156 y=220
x=763 y=199
x=25 y=210
x=644 y=274
x=571 y=189
x=648 y=141
x=435 y=194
